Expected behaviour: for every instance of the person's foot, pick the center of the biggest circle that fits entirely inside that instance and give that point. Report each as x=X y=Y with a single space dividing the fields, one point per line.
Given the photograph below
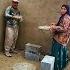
x=8 y=54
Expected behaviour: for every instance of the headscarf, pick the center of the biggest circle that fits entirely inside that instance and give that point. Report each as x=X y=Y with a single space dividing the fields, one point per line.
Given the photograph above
x=62 y=16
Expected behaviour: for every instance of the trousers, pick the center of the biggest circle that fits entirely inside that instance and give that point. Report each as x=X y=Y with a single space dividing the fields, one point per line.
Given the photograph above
x=11 y=36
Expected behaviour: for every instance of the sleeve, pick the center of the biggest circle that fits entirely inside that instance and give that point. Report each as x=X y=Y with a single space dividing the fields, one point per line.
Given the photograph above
x=7 y=13
x=66 y=23
x=65 y=27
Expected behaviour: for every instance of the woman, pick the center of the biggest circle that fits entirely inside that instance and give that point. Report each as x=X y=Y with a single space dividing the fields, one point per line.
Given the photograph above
x=61 y=34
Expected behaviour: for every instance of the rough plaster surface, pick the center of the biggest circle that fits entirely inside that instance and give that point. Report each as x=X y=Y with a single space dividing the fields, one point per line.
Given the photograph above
x=35 y=13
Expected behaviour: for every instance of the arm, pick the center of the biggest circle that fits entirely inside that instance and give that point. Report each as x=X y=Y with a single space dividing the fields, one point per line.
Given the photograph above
x=18 y=17
x=54 y=27
x=7 y=13
x=64 y=27
x=66 y=23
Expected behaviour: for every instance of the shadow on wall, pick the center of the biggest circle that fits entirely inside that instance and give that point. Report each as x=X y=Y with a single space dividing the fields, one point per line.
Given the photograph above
x=3 y=5
x=35 y=13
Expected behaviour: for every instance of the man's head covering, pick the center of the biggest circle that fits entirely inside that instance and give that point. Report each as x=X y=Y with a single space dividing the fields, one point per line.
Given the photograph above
x=15 y=0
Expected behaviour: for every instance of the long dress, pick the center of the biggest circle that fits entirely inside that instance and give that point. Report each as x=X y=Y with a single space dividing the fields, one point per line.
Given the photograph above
x=59 y=44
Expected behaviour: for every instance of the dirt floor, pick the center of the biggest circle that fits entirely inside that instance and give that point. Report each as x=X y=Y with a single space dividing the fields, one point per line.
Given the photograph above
x=6 y=63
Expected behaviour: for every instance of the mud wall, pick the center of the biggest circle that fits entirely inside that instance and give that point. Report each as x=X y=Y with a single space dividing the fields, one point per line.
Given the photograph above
x=35 y=13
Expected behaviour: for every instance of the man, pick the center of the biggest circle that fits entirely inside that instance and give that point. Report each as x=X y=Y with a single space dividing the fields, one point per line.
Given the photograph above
x=13 y=17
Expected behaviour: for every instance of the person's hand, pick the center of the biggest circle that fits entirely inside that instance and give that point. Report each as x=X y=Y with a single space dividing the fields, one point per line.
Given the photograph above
x=52 y=27
x=17 y=17
x=20 y=18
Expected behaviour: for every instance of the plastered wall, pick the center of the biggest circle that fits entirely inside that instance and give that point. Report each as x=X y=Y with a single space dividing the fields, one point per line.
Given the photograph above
x=35 y=13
